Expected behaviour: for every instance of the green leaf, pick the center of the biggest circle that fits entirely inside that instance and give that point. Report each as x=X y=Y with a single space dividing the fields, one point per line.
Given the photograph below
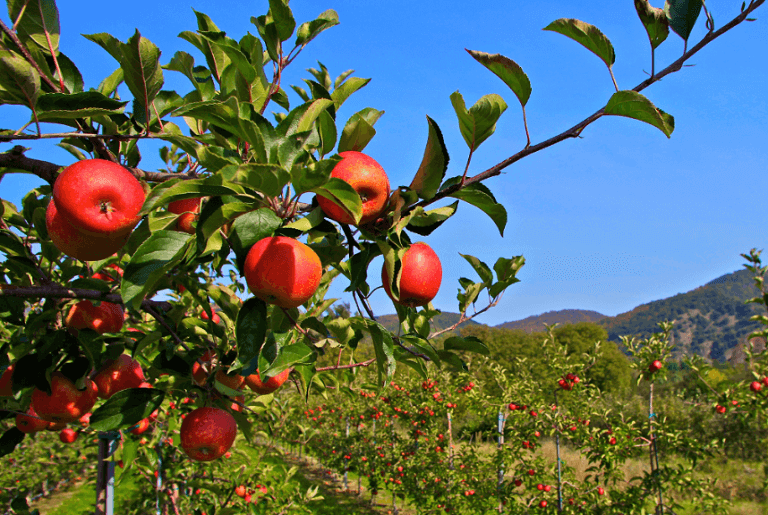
x=682 y=15
x=73 y=79
x=506 y=269
x=469 y=343
x=109 y=85
x=481 y=268
x=269 y=179
x=342 y=194
x=153 y=259
x=479 y=122
x=250 y=332
x=384 y=347
x=654 y=20
x=392 y=263
x=481 y=197
x=283 y=18
x=425 y=223
x=314 y=175
x=250 y=228
x=508 y=71
x=343 y=92
x=215 y=57
x=178 y=189
x=358 y=265
x=309 y=30
x=316 y=108
x=469 y=295
x=634 y=105
x=359 y=131
x=221 y=114
x=288 y=356
x=10 y=439
x=40 y=17
x=77 y=105
x=126 y=408
x=587 y=35
x=433 y=165
x=19 y=79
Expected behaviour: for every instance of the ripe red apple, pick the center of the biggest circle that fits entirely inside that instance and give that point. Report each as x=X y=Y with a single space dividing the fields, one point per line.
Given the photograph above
x=207 y=433
x=31 y=422
x=85 y=420
x=73 y=242
x=5 y=382
x=282 y=271
x=140 y=427
x=755 y=386
x=66 y=403
x=600 y=491
x=420 y=278
x=240 y=491
x=655 y=366
x=117 y=375
x=99 y=197
x=200 y=373
x=270 y=385
x=720 y=409
x=216 y=317
x=368 y=179
x=188 y=208
x=104 y=318
x=104 y=276
x=68 y=435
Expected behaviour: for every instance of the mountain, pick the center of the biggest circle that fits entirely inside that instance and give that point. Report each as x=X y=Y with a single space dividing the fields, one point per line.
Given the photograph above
x=564 y=316
x=711 y=320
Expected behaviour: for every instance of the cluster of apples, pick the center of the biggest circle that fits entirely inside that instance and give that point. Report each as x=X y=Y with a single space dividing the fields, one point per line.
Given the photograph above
x=285 y=272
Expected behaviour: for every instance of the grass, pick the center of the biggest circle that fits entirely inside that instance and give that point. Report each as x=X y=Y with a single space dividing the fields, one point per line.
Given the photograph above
x=81 y=498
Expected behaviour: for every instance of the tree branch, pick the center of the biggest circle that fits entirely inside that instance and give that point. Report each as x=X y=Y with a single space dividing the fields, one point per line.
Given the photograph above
x=55 y=291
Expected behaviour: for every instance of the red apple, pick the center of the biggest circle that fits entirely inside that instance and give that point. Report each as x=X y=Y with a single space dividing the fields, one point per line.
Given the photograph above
x=188 y=210
x=240 y=491
x=104 y=318
x=99 y=197
x=368 y=179
x=420 y=278
x=73 y=242
x=254 y=382
x=282 y=271
x=655 y=366
x=755 y=386
x=207 y=433
x=68 y=435
x=141 y=427
x=66 y=403
x=5 y=382
x=720 y=409
x=31 y=422
x=117 y=375
x=85 y=420
x=216 y=317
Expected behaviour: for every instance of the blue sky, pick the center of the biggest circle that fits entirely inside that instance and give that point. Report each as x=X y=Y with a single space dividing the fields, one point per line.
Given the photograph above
x=620 y=217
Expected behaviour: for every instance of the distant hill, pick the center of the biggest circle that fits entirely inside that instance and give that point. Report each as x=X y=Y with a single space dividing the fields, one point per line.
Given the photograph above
x=564 y=316
x=440 y=322
x=711 y=320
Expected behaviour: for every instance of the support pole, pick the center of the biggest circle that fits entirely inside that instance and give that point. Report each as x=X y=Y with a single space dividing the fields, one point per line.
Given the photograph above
x=105 y=473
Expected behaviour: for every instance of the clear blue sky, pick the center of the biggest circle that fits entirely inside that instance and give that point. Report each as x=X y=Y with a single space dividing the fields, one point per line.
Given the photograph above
x=620 y=217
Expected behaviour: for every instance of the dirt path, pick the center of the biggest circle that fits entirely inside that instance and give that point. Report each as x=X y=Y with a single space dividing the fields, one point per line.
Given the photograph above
x=332 y=488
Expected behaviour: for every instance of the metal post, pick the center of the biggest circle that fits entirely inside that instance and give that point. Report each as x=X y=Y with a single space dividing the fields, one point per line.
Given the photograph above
x=501 y=422
x=105 y=473
x=346 y=461
x=159 y=484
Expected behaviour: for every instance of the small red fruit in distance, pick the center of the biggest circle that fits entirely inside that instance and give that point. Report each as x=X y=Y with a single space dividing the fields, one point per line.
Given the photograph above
x=421 y=275
x=5 y=382
x=600 y=491
x=270 y=385
x=755 y=386
x=66 y=403
x=207 y=433
x=655 y=366
x=141 y=427
x=30 y=423
x=188 y=208
x=240 y=491
x=368 y=179
x=68 y=435
x=117 y=375
x=216 y=318
x=282 y=271
x=99 y=197
x=543 y=504
x=720 y=409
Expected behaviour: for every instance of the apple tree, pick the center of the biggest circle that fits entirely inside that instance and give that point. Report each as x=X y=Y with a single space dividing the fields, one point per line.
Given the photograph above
x=287 y=204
